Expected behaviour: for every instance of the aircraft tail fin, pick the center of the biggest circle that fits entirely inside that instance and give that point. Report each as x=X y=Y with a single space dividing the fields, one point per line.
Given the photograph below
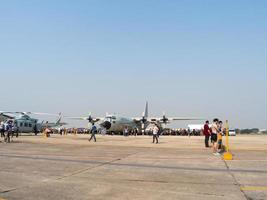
x=146 y=111
x=59 y=119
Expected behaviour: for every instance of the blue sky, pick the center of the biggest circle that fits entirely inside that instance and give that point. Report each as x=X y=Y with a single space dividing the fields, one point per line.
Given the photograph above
x=188 y=58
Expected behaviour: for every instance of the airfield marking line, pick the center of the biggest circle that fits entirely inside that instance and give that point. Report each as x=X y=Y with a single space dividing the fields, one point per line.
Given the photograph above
x=247 y=160
x=48 y=155
x=204 y=194
x=85 y=156
x=174 y=182
x=254 y=188
x=133 y=165
x=248 y=149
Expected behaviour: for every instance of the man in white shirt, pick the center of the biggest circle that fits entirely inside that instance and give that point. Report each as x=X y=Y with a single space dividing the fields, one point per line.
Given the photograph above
x=155 y=134
x=214 y=135
x=125 y=132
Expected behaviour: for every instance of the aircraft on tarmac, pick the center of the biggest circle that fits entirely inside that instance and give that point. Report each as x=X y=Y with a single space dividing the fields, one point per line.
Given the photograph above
x=116 y=123
x=23 y=123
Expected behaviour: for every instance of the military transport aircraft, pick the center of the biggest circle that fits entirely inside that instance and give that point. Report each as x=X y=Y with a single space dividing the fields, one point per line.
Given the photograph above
x=116 y=123
x=23 y=123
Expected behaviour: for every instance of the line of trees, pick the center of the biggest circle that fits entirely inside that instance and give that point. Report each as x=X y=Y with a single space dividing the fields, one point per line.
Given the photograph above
x=250 y=131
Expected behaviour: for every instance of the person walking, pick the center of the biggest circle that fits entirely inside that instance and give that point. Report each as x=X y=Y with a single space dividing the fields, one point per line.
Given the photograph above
x=9 y=128
x=93 y=132
x=135 y=132
x=2 y=129
x=35 y=129
x=155 y=134
x=206 y=133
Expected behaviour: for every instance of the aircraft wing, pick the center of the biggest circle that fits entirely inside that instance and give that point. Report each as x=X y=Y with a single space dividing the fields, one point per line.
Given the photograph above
x=160 y=119
x=63 y=123
x=54 y=125
x=39 y=113
x=85 y=118
x=77 y=118
x=184 y=119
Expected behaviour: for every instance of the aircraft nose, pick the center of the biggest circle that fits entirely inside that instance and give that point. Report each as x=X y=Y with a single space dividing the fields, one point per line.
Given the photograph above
x=106 y=125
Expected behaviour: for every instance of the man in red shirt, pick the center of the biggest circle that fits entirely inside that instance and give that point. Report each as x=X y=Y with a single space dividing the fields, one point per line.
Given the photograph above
x=206 y=132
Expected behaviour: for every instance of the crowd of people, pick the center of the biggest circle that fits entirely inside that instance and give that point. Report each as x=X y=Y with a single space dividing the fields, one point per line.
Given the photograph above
x=182 y=132
x=8 y=131
x=132 y=132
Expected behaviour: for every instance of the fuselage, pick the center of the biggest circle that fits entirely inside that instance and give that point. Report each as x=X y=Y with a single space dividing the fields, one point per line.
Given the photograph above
x=24 y=124
x=117 y=123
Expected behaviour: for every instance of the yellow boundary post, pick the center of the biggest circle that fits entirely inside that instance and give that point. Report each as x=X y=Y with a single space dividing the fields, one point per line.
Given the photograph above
x=227 y=155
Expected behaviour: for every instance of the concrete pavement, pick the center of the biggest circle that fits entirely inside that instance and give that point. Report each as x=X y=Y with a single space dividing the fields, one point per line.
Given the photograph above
x=116 y=167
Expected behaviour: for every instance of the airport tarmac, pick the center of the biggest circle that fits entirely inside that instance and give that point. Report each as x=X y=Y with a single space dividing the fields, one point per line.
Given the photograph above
x=116 y=167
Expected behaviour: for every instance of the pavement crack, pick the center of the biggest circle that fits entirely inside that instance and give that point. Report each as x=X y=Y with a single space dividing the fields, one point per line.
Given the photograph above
x=86 y=169
x=94 y=167
x=66 y=176
x=60 y=178
x=10 y=190
x=235 y=180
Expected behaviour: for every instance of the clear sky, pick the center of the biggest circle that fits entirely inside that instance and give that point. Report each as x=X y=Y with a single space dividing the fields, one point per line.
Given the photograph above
x=188 y=58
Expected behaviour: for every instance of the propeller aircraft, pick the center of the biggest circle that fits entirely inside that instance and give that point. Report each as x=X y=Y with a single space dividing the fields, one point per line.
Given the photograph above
x=116 y=123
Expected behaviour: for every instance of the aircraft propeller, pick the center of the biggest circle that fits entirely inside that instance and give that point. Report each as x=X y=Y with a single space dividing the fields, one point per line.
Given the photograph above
x=90 y=118
x=164 y=120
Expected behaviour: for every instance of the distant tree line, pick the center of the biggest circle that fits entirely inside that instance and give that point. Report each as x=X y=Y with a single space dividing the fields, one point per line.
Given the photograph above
x=250 y=131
